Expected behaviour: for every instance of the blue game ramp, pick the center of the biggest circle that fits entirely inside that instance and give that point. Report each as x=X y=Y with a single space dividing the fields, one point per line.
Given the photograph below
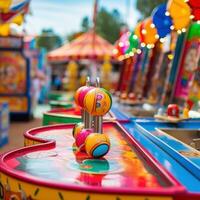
x=142 y=131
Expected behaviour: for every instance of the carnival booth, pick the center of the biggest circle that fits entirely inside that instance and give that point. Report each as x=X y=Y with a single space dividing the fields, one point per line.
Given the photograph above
x=15 y=75
x=89 y=48
x=152 y=56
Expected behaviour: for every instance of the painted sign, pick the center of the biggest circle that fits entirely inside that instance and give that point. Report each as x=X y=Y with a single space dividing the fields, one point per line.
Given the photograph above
x=187 y=68
x=12 y=73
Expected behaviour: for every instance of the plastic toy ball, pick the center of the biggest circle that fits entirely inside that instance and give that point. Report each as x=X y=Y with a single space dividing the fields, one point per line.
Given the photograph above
x=76 y=95
x=97 y=145
x=97 y=102
x=80 y=95
x=77 y=129
x=132 y=96
x=173 y=110
x=81 y=137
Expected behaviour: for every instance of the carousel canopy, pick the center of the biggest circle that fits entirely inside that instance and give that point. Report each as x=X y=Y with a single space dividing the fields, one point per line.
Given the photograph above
x=11 y=9
x=87 y=46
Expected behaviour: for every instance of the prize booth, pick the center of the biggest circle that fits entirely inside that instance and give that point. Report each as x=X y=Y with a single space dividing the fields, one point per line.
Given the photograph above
x=15 y=75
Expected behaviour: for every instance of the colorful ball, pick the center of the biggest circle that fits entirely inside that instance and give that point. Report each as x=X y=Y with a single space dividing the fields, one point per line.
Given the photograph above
x=77 y=129
x=76 y=95
x=98 y=101
x=132 y=96
x=80 y=95
x=81 y=137
x=97 y=145
x=173 y=110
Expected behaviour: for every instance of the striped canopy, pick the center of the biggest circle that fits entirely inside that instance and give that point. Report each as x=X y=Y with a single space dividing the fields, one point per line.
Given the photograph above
x=11 y=9
x=12 y=5
x=87 y=46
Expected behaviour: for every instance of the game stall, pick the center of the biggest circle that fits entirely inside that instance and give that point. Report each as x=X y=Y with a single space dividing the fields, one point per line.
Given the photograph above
x=15 y=76
x=100 y=157
x=150 y=70
x=14 y=65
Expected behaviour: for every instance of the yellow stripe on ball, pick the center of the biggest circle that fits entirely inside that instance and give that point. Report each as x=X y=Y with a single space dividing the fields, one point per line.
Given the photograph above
x=97 y=102
x=97 y=145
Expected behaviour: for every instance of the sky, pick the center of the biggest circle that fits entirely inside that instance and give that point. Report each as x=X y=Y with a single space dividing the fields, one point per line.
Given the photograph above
x=64 y=16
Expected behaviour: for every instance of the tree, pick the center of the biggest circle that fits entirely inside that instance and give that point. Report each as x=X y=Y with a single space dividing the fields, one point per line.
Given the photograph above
x=146 y=6
x=85 y=24
x=109 y=24
x=48 y=40
x=74 y=35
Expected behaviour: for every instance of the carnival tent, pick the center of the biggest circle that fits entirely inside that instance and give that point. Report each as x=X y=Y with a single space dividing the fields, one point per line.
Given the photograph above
x=87 y=46
x=11 y=9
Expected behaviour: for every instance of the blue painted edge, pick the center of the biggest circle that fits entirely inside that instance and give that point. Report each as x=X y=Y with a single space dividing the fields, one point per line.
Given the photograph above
x=184 y=176
x=193 y=168
x=120 y=116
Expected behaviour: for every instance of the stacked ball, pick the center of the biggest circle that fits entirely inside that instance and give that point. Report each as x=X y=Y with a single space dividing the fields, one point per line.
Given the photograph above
x=97 y=145
x=77 y=129
x=81 y=137
x=97 y=102
x=79 y=98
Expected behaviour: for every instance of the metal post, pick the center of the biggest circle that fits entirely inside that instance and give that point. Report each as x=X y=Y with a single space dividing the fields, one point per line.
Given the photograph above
x=87 y=118
x=98 y=120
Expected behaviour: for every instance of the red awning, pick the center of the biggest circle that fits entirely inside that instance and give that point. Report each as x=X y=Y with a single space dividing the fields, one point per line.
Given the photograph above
x=87 y=46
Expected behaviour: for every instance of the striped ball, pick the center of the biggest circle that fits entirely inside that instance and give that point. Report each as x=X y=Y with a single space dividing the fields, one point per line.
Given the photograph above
x=97 y=145
x=97 y=101
x=81 y=137
x=77 y=129
x=80 y=95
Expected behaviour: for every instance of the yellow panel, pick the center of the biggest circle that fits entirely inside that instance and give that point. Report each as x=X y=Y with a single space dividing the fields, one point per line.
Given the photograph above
x=4 y=29
x=5 y=4
x=18 y=19
x=19 y=189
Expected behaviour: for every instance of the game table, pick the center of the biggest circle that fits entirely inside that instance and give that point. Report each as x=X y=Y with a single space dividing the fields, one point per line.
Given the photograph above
x=51 y=166
x=60 y=104
x=173 y=146
x=60 y=96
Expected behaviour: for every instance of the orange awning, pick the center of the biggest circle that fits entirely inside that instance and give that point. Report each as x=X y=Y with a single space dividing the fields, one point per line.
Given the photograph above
x=87 y=46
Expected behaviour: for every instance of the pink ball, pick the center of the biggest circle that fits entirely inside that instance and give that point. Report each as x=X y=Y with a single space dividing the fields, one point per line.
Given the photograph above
x=82 y=94
x=81 y=137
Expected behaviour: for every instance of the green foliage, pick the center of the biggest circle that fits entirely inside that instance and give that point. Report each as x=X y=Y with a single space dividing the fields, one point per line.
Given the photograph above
x=48 y=40
x=109 y=24
x=70 y=37
x=85 y=24
x=73 y=35
x=146 y=6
